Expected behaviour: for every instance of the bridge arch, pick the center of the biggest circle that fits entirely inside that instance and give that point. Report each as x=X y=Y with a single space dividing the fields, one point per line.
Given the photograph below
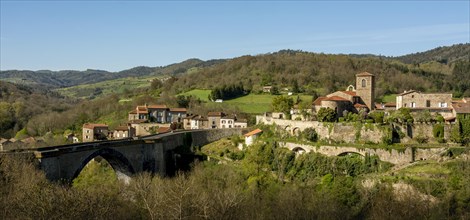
x=350 y=153
x=296 y=131
x=117 y=160
x=298 y=150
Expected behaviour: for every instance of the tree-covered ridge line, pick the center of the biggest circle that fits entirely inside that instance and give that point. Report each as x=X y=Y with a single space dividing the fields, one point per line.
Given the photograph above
x=314 y=73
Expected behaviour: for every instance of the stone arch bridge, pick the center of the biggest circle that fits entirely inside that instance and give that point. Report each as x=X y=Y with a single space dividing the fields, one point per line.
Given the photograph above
x=161 y=154
x=397 y=157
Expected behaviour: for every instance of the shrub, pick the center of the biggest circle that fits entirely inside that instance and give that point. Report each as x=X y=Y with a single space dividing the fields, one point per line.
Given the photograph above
x=378 y=117
x=326 y=115
x=310 y=134
x=438 y=131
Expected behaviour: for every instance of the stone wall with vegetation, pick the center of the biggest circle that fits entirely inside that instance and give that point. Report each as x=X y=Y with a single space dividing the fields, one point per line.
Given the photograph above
x=358 y=132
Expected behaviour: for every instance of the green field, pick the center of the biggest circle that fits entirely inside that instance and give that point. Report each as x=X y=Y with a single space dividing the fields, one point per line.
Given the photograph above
x=202 y=94
x=106 y=87
x=252 y=103
x=389 y=98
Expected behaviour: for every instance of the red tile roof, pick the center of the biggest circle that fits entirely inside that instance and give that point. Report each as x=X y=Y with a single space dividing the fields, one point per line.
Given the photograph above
x=351 y=93
x=390 y=104
x=461 y=108
x=318 y=100
x=178 y=110
x=357 y=105
x=142 y=109
x=336 y=99
x=133 y=112
x=163 y=130
x=157 y=106
x=92 y=126
x=256 y=131
x=121 y=128
x=219 y=114
x=406 y=92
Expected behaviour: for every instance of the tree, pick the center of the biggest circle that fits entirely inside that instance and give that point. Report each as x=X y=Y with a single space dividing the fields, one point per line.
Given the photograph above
x=282 y=104
x=274 y=90
x=326 y=115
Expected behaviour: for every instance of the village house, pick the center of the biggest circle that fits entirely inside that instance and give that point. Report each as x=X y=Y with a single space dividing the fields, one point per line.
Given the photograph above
x=251 y=136
x=433 y=102
x=214 y=119
x=227 y=122
x=267 y=89
x=94 y=132
x=240 y=123
x=199 y=122
x=352 y=99
x=385 y=106
x=157 y=113
x=460 y=109
x=142 y=128
x=121 y=132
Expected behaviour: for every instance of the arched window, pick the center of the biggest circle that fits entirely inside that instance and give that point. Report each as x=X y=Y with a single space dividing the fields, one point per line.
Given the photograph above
x=363 y=83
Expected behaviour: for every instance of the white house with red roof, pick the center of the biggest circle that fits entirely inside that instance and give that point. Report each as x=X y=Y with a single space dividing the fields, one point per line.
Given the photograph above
x=251 y=136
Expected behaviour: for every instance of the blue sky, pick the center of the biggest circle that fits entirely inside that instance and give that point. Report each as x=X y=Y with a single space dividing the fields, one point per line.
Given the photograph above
x=117 y=35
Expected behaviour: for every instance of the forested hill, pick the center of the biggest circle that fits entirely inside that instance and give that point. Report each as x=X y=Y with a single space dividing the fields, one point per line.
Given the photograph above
x=67 y=78
x=446 y=54
x=323 y=73
x=19 y=103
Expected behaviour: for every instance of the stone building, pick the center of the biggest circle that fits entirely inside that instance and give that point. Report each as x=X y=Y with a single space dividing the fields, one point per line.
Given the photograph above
x=352 y=99
x=214 y=119
x=157 y=114
x=461 y=108
x=121 y=132
x=433 y=102
x=94 y=132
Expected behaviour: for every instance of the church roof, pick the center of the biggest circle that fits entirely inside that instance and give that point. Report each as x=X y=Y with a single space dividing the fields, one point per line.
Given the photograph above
x=364 y=74
x=318 y=100
x=336 y=98
x=351 y=93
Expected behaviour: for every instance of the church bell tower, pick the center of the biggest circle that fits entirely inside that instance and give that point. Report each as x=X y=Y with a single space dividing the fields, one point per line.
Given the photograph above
x=365 y=88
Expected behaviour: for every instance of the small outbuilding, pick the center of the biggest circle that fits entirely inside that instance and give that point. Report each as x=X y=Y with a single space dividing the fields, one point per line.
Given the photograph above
x=251 y=136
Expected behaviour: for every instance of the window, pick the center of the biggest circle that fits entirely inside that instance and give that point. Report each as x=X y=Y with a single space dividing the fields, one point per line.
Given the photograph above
x=118 y=134
x=213 y=122
x=405 y=105
x=86 y=137
x=124 y=135
x=363 y=82
x=412 y=96
x=230 y=126
x=87 y=131
x=428 y=103
x=230 y=122
x=413 y=105
x=443 y=104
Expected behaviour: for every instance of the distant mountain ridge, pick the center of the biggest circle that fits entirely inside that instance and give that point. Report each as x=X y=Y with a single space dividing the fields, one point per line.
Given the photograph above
x=68 y=78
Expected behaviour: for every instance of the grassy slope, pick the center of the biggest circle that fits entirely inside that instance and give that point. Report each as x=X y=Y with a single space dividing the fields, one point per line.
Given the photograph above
x=252 y=103
x=389 y=98
x=107 y=87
